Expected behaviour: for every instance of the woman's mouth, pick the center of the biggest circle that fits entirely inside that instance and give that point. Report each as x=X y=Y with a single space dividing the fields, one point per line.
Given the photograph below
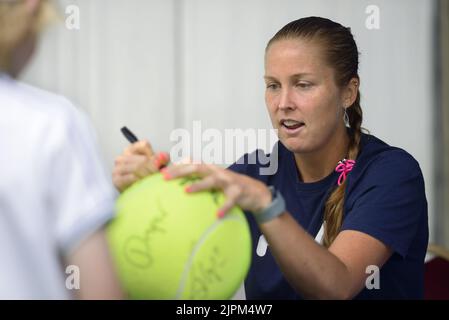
x=292 y=126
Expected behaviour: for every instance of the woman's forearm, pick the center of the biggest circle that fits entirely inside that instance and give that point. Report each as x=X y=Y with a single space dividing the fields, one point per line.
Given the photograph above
x=311 y=269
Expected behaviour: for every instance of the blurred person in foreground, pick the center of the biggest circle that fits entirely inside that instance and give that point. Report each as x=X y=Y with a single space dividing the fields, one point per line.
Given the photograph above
x=54 y=195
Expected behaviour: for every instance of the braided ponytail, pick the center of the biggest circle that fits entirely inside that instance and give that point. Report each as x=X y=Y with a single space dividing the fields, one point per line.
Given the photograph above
x=334 y=207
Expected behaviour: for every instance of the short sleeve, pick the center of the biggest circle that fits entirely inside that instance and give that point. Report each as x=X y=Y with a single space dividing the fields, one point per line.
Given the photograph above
x=80 y=195
x=388 y=200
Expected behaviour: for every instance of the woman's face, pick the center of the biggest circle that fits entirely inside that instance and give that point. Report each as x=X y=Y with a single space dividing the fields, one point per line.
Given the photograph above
x=302 y=98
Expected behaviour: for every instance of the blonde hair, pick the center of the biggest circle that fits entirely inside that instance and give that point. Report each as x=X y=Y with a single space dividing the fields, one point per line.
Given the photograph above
x=17 y=23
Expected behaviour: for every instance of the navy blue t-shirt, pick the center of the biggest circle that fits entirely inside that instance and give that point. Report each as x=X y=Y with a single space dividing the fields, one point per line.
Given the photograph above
x=385 y=199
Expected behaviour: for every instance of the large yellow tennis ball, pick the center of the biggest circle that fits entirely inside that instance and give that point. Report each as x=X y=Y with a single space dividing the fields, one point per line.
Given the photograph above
x=169 y=244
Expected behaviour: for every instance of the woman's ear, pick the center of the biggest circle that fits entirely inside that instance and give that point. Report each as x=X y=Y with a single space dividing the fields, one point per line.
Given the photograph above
x=351 y=91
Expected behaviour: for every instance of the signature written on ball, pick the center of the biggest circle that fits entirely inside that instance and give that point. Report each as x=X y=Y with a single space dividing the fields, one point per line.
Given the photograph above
x=190 y=179
x=205 y=273
x=137 y=248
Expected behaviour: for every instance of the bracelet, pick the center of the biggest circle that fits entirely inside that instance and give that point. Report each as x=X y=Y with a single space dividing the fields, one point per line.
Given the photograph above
x=274 y=209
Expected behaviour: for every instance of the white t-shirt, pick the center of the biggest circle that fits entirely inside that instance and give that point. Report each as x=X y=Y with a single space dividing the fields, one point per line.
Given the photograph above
x=54 y=191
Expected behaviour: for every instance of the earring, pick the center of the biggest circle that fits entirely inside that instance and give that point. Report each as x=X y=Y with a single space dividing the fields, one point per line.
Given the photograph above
x=346 y=118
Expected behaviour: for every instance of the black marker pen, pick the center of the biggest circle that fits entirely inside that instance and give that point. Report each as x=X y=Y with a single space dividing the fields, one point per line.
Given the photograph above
x=129 y=135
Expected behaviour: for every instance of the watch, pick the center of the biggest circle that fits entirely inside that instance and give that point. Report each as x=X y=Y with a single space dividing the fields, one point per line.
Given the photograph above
x=274 y=209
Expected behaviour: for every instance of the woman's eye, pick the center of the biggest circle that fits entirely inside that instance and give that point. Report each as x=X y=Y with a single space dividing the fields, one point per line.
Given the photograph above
x=272 y=86
x=304 y=85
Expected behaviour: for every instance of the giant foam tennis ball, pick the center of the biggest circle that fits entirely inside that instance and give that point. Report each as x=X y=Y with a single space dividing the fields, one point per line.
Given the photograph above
x=169 y=244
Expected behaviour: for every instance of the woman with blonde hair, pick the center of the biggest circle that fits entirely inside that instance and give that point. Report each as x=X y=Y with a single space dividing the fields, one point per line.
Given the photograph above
x=54 y=195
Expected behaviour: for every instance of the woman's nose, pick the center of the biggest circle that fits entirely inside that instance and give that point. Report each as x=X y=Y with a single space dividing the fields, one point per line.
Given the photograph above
x=286 y=101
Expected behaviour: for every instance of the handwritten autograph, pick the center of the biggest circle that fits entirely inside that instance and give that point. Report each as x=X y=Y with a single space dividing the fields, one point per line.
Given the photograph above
x=206 y=273
x=213 y=192
x=137 y=248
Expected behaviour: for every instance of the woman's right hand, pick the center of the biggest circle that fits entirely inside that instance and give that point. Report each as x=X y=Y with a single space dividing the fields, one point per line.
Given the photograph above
x=136 y=162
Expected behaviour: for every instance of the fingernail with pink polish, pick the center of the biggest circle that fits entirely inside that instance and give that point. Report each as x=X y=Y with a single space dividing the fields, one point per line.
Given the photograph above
x=165 y=174
x=220 y=214
x=163 y=157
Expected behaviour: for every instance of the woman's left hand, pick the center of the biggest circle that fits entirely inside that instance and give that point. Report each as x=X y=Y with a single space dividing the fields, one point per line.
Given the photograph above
x=239 y=190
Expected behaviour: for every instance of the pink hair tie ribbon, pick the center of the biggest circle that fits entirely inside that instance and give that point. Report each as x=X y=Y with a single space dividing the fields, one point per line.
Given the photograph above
x=344 y=166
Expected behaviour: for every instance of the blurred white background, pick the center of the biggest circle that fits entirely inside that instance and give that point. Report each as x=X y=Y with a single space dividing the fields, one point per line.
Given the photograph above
x=157 y=65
